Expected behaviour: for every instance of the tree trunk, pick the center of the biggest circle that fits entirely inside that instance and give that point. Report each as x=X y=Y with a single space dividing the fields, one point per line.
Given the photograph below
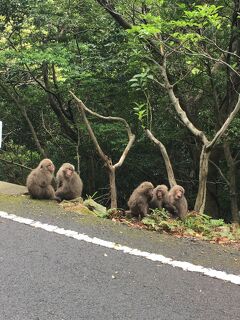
x=113 y=189
x=34 y=134
x=233 y=195
x=56 y=104
x=91 y=175
x=202 y=185
x=232 y=182
x=166 y=158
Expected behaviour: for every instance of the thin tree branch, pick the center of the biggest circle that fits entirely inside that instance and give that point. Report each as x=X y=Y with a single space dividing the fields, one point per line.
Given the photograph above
x=108 y=118
x=224 y=127
x=15 y=164
x=117 y=16
x=131 y=136
x=44 y=87
x=91 y=133
x=24 y=113
x=125 y=152
x=77 y=152
x=220 y=171
x=182 y=114
x=165 y=156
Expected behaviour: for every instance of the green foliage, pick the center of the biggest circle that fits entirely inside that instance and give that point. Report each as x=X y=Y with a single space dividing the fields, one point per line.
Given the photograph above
x=194 y=225
x=140 y=82
x=140 y=112
x=185 y=28
x=159 y=221
x=202 y=224
x=204 y=15
x=18 y=154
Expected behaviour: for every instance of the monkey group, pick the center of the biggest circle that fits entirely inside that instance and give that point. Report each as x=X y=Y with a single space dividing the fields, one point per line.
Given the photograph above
x=70 y=186
x=146 y=197
x=40 y=182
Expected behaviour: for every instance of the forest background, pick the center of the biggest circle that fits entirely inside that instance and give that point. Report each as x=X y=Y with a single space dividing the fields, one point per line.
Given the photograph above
x=168 y=70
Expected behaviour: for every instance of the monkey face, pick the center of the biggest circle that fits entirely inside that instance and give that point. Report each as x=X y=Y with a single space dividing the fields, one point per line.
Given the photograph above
x=160 y=194
x=160 y=191
x=179 y=193
x=68 y=172
x=51 y=168
x=47 y=165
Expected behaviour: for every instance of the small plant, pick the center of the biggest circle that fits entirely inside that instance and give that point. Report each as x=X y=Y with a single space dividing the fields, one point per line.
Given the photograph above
x=195 y=225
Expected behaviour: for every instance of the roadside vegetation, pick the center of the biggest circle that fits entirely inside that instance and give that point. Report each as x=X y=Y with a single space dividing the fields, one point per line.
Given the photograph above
x=195 y=226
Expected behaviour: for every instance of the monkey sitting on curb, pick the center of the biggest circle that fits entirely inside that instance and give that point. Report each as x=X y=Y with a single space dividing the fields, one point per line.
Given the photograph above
x=39 y=181
x=69 y=183
x=139 y=200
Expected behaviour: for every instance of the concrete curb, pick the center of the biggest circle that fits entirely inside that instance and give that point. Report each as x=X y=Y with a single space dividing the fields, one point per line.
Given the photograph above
x=11 y=189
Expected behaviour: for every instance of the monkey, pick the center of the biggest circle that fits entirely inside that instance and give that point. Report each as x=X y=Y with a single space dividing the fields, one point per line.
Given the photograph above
x=138 y=202
x=177 y=203
x=69 y=183
x=39 y=181
x=160 y=196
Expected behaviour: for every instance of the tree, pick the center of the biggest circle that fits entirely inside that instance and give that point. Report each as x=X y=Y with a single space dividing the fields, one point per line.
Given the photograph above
x=107 y=161
x=189 y=33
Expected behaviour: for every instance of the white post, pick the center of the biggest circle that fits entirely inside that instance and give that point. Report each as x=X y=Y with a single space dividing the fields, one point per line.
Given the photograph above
x=0 y=134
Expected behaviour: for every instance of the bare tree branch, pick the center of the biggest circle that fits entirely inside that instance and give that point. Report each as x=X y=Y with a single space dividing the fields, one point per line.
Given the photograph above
x=224 y=127
x=24 y=113
x=15 y=164
x=220 y=172
x=91 y=133
x=131 y=136
x=117 y=16
x=125 y=152
x=182 y=114
x=108 y=161
x=165 y=156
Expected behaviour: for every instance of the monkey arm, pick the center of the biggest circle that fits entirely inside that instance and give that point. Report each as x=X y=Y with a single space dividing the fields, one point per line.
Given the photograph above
x=43 y=184
x=60 y=183
x=170 y=208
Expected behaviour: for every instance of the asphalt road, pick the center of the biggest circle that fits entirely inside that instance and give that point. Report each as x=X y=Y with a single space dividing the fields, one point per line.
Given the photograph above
x=46 y=276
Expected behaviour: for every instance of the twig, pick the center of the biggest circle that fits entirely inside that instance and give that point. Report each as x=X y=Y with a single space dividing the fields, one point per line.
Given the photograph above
x=220 y=171
x=15 y=164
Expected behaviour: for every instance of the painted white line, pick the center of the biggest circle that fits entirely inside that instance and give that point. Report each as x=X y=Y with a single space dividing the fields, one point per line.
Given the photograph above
x=186 y=266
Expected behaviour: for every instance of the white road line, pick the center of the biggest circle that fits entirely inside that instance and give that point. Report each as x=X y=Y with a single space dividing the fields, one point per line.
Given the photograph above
x=186 y=266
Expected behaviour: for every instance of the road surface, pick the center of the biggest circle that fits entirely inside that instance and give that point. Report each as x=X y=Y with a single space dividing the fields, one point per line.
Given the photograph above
x=50 y=276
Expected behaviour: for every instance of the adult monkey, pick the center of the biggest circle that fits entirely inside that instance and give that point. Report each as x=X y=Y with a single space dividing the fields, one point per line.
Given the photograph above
x=177 y=203
x=140 y=198
x=39 y=181
x=160 y=196
x=69 y=183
